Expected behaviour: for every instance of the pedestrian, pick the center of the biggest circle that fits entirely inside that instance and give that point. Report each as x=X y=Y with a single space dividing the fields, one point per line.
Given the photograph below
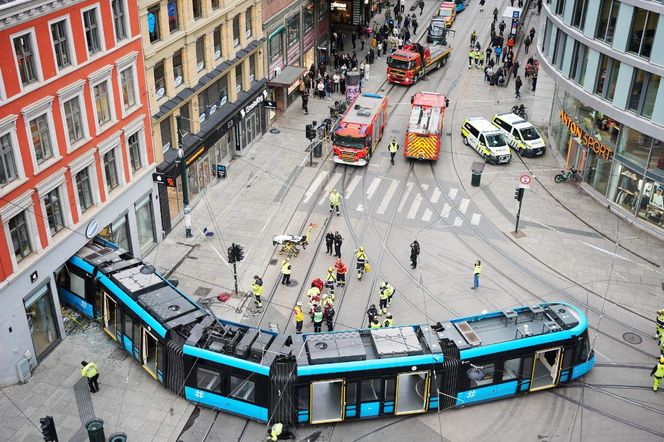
x=299 y=318
x=487 y=55
x=336 y=79
x=286 y=271
x=329 y=281
x=473 y=39
x=499 y=51
x=495 y=14
x=526 y=43
x=482 y=6
x=318 y=319
x=361 y=262
x=402 y=4
x=501 y=26
x=414 y=253
x=362 y=41
x=305 y=101
x=382 y=299
x=515 y=68
x=471 y=56
x=389 y=289
x=341 y=269
x=379 y=48
x=91 y=373
x=534 y=80
x=476 y=274
x=329 y=318
x=329 y=88
x=421 y=7
x=367 y=69
x=659 y=323
x=257 y=290
x=657 y=373
x=415 y=26
x=329 y=242
x=393 y=148
x=539 y=7
x=517 y=86
x=335 y=201
x=388 y=320
x=353 y=37
x=531 y=34
x=320 y=87
x=372 y=312
x=338 y=240
x=374 y=323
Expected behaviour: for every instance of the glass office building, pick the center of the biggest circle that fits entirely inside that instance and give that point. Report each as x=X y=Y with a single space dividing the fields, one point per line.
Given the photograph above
x=607 y=59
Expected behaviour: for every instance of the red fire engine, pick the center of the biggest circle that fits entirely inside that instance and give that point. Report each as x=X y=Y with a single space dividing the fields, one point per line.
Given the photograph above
x=425 y=126
x=360 y=129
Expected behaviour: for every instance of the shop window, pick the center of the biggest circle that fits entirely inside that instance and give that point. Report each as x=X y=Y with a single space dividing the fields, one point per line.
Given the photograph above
x=196 y=9
x=153 y=23
x=117 y=232
x=635 y=146
x=579 y=13
x=511 y=369
x=216 y=37
x=579 y=63
x=208 y=380
x=606 y=21
x=236 y=31
x=145 y=223
x=242 y=388
x=177 y=68
x=643 y=92
x=322 y=10
x=370 y=390
x=173 y=16
x=248 y=22
x=54 y=211
x=308 y=16
x=607 y=78
x=293 y=30
x=651 y=207
x=166 y=136
x=20 y=236
x=596 y=171
x=627 y=184
x=642 y=32
x=487 y=376
x=656 y=164
x=200 y=54
x=159 y=79
x=41 y=320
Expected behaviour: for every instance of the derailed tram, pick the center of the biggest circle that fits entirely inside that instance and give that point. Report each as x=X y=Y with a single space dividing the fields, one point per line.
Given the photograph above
x=322 y=377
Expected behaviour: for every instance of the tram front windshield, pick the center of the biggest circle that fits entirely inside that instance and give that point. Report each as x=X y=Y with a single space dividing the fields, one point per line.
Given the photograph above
x=345 y=141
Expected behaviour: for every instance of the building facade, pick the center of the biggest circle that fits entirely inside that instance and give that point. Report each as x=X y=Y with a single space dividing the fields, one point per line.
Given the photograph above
x=76 y=157
x=607 y=59
x=205 y=82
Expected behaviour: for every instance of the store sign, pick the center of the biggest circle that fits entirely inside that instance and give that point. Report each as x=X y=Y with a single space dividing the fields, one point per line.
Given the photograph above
x=195 y=155
x=585 y=138
x=258 y=100
x=92 y=229
x=338 y=6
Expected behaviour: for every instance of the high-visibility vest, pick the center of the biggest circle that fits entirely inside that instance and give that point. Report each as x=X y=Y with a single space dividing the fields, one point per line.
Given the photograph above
x=285 y=268
x=313 y=292
x=387 y=322
x=335 y=198
x=389 y=290
x=393 y=147
x=318 y=316
x=478 y=270
x=374 y=325
x=276 y=431
x=383 y=294
x=330 y=277
x=361 y=256
x=659 y=370
x=299 y=314
x=257 y=289
x=660 y=320
x=90 y=370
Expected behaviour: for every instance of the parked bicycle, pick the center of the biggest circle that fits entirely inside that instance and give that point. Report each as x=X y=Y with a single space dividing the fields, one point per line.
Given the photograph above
x=570 y=174
x=520 y=110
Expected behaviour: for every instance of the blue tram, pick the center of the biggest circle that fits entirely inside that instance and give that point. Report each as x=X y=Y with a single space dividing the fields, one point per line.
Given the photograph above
x=323 y=377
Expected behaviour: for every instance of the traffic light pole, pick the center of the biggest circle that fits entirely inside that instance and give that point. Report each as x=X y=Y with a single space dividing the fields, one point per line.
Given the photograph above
x=235 y=276
x=518 y=215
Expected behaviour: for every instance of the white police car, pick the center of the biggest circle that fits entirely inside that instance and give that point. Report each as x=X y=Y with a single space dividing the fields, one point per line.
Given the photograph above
x=486 y=139
x=520 y=134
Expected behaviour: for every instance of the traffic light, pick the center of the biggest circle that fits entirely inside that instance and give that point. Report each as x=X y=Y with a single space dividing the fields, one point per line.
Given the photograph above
x=518 y=193
x=239 y=252
x=231 y=254
x=48 y=429
x=310 y=132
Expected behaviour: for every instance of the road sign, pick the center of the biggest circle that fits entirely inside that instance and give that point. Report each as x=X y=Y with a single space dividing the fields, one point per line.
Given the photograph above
x=524 y=181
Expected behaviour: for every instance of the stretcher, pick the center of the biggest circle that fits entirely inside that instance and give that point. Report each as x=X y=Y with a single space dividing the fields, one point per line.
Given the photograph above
x=289 y=244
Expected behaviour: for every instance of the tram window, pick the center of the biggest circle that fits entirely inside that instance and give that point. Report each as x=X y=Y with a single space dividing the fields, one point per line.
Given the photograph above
x=568 y=356
x=128 y=327
x=389 y=389
x=527 y=367
x=208 y=380
x=584 y=351
x=511 y=369
x=303 y=397
x=160 y=357
x=242 y=389
x=487 y=378
x=118 y=320
x=370 y=390
x=351 y=393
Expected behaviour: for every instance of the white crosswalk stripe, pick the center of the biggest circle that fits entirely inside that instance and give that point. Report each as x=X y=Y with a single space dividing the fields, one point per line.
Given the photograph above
x=453 y=193
x=427 y=215
x=404 y=199
x=373 y=187
x=313 y=188
x=457 y=221
x=353 y=184
x=465 y=202
x=415 y=206
x=382 y=207
x=328 y=187
x=436 y=195
x=446 y=211
x=475 y=220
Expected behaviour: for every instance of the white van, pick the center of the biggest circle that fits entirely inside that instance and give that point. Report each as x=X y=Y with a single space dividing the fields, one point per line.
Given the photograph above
x=521 y=135
x=486 y=139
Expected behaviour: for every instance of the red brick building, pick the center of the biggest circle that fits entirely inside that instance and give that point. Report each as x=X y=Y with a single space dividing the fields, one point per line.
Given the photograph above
x=76 y=155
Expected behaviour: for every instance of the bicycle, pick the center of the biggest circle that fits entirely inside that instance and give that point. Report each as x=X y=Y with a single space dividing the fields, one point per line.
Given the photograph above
x=570 y=174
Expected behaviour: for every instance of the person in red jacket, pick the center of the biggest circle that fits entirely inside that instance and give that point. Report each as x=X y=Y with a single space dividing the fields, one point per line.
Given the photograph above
x=341 y=269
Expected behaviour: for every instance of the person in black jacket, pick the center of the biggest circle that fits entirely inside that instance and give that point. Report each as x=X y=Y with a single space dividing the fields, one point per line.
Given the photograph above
x=329 y=242
x=414 y=253
x=338 y=240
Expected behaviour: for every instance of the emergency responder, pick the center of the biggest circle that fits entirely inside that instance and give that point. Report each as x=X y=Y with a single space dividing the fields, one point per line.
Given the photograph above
x=329 y=280
x=318 y=319
x=390 y=292
x=657 y=373
x=471 y=56
x=414 y=253
x=388 y=320
x=660 y=324
x=383 y=298
x=374 y=323
x=275 y=431
x=286 y=271
x=327 y=300
x=329 y=242
x=341 y=272
x=314 y=300
x=393 y=148
x=335 y=201
x=372 y=312
x=338 y=240
x=476 y=274
x=257 y=289
x=361 y=258
x=329 y=318
x=91 y=373
x=299 y=317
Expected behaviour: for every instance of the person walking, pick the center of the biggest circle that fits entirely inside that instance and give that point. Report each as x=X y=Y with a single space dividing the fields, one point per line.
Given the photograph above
x=305 y=100
x=415 y=25
x=659 y=324
x=329 y=281
x=341 y=269
x=476 y=274
x=515 y=68
x=91 y=373
x=318 y=319
x=353 y=38
x=421 y=7
x=286 y=271
x=473 y=39
x=471 y=56
x=657 y=373
x=495 y=14
x=393 y=148
x=414 y=253
x=531 y=34
x=329 y=318
x=338 y=240
x=336 y=79
x=299 y=318
x=517 y=87
x=388 y=320
x=482 y=5
x=526 y=44
x=372 y=312
x=361 y=261
x=335 y=201
x=329 y=242
x=534 y=80
x=382 y=299
x=362 y=41
x=539 y=7
x=257 y=290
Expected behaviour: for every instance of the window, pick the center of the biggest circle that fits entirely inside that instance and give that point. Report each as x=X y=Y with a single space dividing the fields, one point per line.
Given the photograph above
x=511 y=369
x=102 y=103
x=238 y=77
x=252 y=67
x=41 y=138
x=236 y=31
x=196 y=8
x=370 y=390
x=322 y=9
x=216 y=37
x=153 y=23
x=643 y=92
x=128 y=88
x=559 y=48
x=145 y=223
x=159 y=80
x=61 y=44
x=606 y=22
x=390 y=387
x=308 y=19
x=579 y=13
x=53 y=210
x=165 y=129
x=92 y=34
x=547 y=34
x=8 y=172
x=275 y=47
x=134 y=146
x=25 y=58
x=560 y=7
x=607 y=78
x=119 y=19
x=173 y=23
x=18 y=229
x=248 y=22
x=200 y=54
x=293 y=30
x=184 y=119
x=111 y=169
x=642 y=32
x=84 y=189
x=242 y=388
x=212 y=98
x=208 y=380
x=74 y=120
x=579 y=63
x=177 y=67
x=215 y=4
x=487 y=378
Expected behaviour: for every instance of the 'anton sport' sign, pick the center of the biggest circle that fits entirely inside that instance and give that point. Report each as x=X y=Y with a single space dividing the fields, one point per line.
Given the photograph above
x=586 y=139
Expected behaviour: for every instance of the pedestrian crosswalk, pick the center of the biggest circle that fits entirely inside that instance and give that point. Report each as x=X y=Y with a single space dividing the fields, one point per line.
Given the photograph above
x=419 y=201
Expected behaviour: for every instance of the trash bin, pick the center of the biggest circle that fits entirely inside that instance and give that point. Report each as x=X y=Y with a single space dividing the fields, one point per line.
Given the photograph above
x=477 y=168
x=117 y=437
x=95 y=429
x=318 y=149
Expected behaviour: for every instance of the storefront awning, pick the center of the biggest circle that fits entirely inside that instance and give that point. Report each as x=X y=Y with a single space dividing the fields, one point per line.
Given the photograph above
x=288 y=76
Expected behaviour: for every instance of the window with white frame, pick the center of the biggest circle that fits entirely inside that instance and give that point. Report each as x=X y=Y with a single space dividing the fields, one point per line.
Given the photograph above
x=119 y=19
x=74 y=120
x=40 y=132
x=54 y=211
x=134 y=146
x=128 y=87
x=72 y=109
x=8 y=169
x=111 y=169
x=62 y=43
x=102 y=103
x=93 y=34
x=248 y=22
x=26 y=58
x=84 y=189
x=20 y=236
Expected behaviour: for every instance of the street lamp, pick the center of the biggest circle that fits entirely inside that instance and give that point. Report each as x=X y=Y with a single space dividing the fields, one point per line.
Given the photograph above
x=183 y=177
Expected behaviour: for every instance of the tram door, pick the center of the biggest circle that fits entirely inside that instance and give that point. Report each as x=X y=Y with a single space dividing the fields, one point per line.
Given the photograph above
x=149 y=350
x=109 y=315
x=327 y=402
x=412 y=392
x=546 y=369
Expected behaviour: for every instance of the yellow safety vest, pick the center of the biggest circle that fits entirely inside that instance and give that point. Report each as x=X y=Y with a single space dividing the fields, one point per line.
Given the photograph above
x=374 y=325
x=387 y=323
x=257 y=289
x=389 y=290
x=313 y=291
x=335 y=198
x=478 y=270
x=660 y=320
x=90 y=370
x=285 y=268
x=299 y=314
x=276 y=431
x=383 y=294
x=361 y=255
x=330 y=276
x=659 y=371
x=393 y=147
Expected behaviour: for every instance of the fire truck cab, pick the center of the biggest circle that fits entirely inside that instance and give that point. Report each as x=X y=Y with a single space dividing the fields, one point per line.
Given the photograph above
x=425 y=126
x=359 y=130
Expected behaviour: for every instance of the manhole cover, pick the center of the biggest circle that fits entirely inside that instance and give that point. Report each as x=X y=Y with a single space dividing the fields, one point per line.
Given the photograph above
x=632 y=338
x=202 y=292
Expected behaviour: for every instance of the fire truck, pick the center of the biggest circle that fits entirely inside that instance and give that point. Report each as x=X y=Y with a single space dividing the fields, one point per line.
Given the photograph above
x=359 y=130
x=407 y=65
x=425 y=126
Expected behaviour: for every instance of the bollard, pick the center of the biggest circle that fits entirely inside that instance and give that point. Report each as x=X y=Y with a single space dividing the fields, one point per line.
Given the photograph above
x=95 y=429
x=117 y=437
x=477 y=169
x=318 y=149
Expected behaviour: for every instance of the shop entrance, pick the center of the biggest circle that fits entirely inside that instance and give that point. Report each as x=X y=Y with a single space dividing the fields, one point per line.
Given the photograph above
x=327 y=401
x=41 y=321
x=412 y=392
x=546 y=369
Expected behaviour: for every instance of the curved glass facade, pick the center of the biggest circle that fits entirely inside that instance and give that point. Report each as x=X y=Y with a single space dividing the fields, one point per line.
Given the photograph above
x=608 y=111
